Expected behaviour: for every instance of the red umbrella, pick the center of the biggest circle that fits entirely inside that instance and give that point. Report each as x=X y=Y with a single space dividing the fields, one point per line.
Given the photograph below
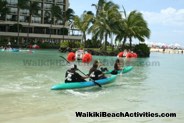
x=87 y=58
x=71 y=56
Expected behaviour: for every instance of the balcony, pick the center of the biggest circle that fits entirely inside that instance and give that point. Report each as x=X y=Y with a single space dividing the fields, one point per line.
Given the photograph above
x=12 y=5
x=49 y=1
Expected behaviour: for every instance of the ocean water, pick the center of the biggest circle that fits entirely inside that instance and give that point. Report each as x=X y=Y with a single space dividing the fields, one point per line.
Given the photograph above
x=155 y=85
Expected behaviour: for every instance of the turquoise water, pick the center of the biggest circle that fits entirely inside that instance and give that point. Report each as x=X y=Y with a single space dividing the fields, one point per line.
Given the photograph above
x=154 y=85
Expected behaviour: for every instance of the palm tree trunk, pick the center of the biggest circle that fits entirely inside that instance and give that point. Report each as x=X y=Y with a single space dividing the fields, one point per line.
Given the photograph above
x=130 y=43
x=18 y=21
x=84 y=34
x=105 y=43
x=63 y=28
x=30 y=18
x=72 y=28
x=124 y=41
x=51 y=27
x=112 y=47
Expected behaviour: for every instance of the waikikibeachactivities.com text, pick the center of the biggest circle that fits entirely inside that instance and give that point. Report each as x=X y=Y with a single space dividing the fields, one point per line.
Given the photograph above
x=123 y=114
x=105 y=62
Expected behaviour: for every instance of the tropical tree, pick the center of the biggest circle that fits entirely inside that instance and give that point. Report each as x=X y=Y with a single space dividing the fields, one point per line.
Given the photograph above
x=106 y=20
x=99 y=6
x=68 y=16
x=55 y=15
x=22 y=4
x=33 y=10
x=82 y=23
x=3 y=9
x=133 y=26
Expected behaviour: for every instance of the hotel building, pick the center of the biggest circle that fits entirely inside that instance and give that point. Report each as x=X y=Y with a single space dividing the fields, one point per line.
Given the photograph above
x=40 y=28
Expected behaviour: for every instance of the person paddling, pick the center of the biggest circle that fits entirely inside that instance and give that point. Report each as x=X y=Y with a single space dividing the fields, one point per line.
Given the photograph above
x=96 y=74
x=97 y=62
x=72 y=76
x=117 y=67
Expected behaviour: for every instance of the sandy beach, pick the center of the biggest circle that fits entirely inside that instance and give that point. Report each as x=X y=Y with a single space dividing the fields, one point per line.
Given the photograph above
x=171 y=51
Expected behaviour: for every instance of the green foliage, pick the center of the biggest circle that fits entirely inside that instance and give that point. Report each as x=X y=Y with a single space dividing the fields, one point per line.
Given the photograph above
x=142 y=50
x=71 y=44
x=107 y=16
x=93 y=44
x=47 y=45
x=63 y=31
x=3 y=9
x=3 y=41
x=83 y=23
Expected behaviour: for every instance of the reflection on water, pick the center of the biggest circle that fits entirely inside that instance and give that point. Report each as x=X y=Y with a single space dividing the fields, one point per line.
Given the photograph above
x=25 y=94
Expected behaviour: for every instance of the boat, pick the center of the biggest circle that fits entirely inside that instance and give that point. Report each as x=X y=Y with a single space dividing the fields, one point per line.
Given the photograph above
x=10 y=50
x=16 y=50
x=125 y=70
x=79 y=54
x=90 y=83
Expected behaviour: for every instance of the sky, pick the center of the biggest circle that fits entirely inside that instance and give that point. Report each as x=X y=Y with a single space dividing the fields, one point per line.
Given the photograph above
x=165 y=17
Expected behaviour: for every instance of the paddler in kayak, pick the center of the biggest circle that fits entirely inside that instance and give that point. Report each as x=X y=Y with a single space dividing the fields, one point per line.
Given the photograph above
x=94 y=73
x=72 y=76
x=97 y=62
x=117 y=67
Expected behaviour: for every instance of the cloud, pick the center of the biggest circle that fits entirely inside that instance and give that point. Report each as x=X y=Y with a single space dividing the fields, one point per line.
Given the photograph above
x=168 y=17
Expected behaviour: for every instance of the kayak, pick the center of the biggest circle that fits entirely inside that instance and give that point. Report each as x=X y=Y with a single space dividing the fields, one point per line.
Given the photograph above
x=16 y=50
x=75 y=85
x=125 y=70
x=10 y=50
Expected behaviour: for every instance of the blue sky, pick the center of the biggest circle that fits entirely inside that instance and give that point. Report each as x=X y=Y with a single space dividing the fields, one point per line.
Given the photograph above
x=165 y=17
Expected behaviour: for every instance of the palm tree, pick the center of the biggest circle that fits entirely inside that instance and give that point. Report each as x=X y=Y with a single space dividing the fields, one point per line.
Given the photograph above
x=82 y=23
x=22 y=4
x=55 y=14
x=106 y=20
x=3 y=9
x=68 y=16
x=33 y=10
x=99 y=6
x=133 y=26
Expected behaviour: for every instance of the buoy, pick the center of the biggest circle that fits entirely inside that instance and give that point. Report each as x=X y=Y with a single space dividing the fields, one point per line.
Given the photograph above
x=134 y=55
x=30 y=46
x=120 y=54
x=87 y=58
x=129 y=55
x=35 y=46
x=71 y=57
